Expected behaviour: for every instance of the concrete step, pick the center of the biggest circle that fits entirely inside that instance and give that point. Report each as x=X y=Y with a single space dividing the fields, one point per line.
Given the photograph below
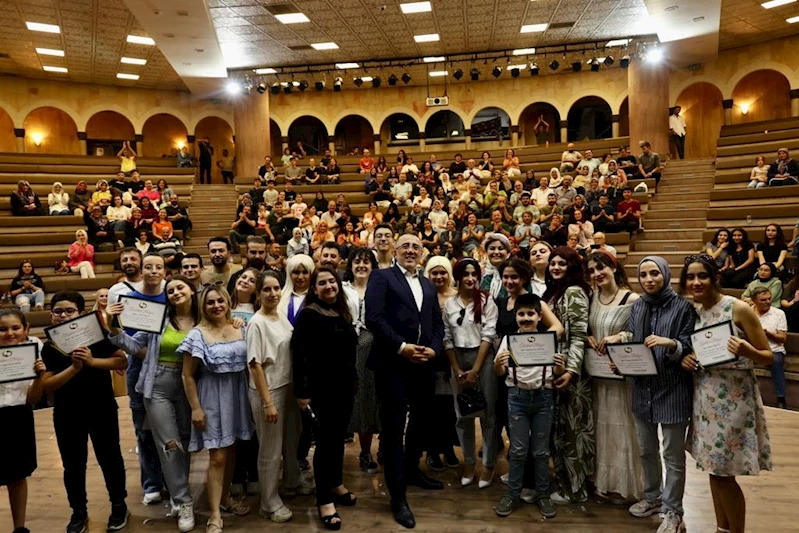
x=682 y=179
x=673 y=258
x=676 y=196
x=681 y=223
x=685 y=189
x=668 y=234
x=674 y=214
x=673 y=245
x=686 y=203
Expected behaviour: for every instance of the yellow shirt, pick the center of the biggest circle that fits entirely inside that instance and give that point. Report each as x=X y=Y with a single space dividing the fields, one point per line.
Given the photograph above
x=128 y=164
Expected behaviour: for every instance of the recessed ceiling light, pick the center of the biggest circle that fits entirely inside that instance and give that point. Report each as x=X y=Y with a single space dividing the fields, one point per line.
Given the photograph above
x=524 y=51
x=123 y=76
x=140 y=39
x=520 y=67
x=265 y=71
x=133 y=61
x=434 y=59
x=48 y=68
x=366 y=79
x=325 y=46
x=47 y=28
x=534 y=28
x=618 y=42
x=342 y=66
x=427 y=38
x=776 y=3
x=416 y=7
x=50 y=52
x=438 y=73
x=792 y=20
x=292 y=18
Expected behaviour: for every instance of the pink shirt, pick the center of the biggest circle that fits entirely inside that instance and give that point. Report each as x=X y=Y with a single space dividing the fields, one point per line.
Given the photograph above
x=77 y=254
x=153 y=195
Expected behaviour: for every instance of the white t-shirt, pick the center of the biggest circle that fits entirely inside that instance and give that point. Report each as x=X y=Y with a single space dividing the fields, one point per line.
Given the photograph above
x=526 y=377
x=269 y=344
x=774 y=320
x=16 y=392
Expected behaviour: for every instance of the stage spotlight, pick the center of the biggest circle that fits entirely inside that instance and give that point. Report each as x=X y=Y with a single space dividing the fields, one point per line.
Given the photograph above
x=320 y=86
x=594 y=66
x=275 y=88
x=497 y=72
x=577 y=66
x=233 y=87
x=261 y=88
x=406 y=78
x=376 y=81
x=337 y=84
x=303 y=85
x=554 y=65
x=358 y=81
x=655 y=55
x=514 y=72
x=625 y=62
x=534 y=70
x=609 y=61
x=287 y=88
x=392 y=80
x=458 y=74
x=475 y=74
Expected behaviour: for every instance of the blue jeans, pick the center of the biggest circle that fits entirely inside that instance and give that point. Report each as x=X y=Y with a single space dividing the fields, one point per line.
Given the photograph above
x=151 y=478
x=778 y=374
x=530 y=414
x=24 y=301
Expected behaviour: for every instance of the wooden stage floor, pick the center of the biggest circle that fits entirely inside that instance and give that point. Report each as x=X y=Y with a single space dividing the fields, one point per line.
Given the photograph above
x=770 y=497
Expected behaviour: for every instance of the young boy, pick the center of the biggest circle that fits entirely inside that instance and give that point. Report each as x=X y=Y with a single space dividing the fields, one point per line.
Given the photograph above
x=530 y=413
x=85 y=407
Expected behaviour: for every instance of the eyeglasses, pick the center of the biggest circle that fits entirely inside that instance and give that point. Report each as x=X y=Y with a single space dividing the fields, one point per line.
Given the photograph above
x=64 y=311
x=461 y=317
x=697 y=257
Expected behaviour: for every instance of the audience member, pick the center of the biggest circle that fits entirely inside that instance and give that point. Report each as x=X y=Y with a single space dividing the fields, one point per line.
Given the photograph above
x=184 y=158
x=220 y=270
x=511 y=164
x=718 y=248
x=583 y=228
x=783 y=171
x=539 y=194
x=267 y=172
x=772 y=249
x=100 y=233
x=790 y=303
x=527 y=232
x=177 y=215
x=82 y=198
x=127 y=158
x=775 y=326
x=569 y=159
x=549 y=210
x=366 y=163
x=58 y=200
x=627 y=161
x=24 y=201
x=410 y=169
x=565 y=194
x=556 y=234
x=191 y=267
x=599 y=244
x=603 y=215
x=333 y=172
x=243 y=227
x=766 y=277
x=759 y=176
x=589 y=162
x=628 y=212
x=486 y=165
x=649 y=165
x=294 y=173
x=27 y=288
x=314 y=175
x=741 y=265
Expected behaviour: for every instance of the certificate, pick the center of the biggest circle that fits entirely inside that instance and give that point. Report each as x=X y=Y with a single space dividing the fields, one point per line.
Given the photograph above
x=632 y=359
x=710 y=344
x=598 y=366
x=16 y=362
x=532 y=349
x=142 y=315
x=84 y=330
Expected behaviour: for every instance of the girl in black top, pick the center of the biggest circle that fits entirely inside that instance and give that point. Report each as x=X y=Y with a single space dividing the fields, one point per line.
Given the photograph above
x=323 y=349
x=392 y=216
x=772 y=249
x=741 y=265
x=24 y=201
x=27 y=288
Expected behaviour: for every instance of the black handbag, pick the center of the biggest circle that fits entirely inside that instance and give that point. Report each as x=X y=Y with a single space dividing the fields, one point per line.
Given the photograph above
x=470 y=401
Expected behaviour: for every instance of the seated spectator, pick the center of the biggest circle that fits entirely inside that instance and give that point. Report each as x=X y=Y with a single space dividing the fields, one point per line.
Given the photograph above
x=549 y=210
x=505 y=183
x=423 y=200
x=347 y=239
x=333 y=172
x=581 y=180
x=270 y=194
x=511 y=164
x=507 y=215
x=118 y=215
x=285 y=159
x=371 y=177
x=438 y=218
x=741 y=263
x=402 y=191
x=516 y=194
x=572 y=241
x=569 y=159
x=774 y=322
x=766 y=278
x=627 y=162
x=491 y=197
x=628 y=212
x=134 y=226
x=392 y=176
x=299 y=151
x=100 y=233
x=299 y=207
x=148 y=212
x=526 y=206
x=381 y=165
x=527 y=232
x=428 y=235
x=135 y=184
x=373 y=216
x=433 y=162
x=593 y=193
x=486 y=165
x=461 y=185
x=118 y=184
x=759 y=176
x=24 y=201
x=168 y=247
x=427 y=174
x=497 y=225
x=243 y=227
x=380 y=191
x=289 y=194
x=410 y=169
x=294 y=173
x=392 y=217
x=583 y=228
x=416 y=217
x=472 y=235
x=472 y=174
x=331 y=216
x=461 y=215
x=450 y=235
x=772 y=249
x=604 y=166
x=320 y=202
x=530 y=181
x=257 y=192
x=275 y=260
x=589 y=162
x=267 y=172
x=297 y=244
x=556 y=234
x=717 y=248
x=457 y=166
x=277 y=225
x=649 y=165
x=783 y=171
x=81 y=198
x=161 y=223
x=147 y=192
x=80 y=257
x=164 y=190
x=603 y=215
x=127 y=158
x=177 y=215
x=184 y=157
x=555 y=178
x=599 y=244
x=309 y=221
x=578 y=205
x=540 y=194
x=27 y=288
x=58 y=200
x=320 y=236
x=314 y=175
x=366 y=163
x=565 y=194
x=260 y=219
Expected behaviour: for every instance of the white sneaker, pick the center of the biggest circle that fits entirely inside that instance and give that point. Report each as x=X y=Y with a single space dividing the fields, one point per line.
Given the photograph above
x=151 y=498
x=644 y=508
x=283 y=514
x=672 y=523
x=186 y=517
x=529 y=496
x=559 y=499
x=504 y=478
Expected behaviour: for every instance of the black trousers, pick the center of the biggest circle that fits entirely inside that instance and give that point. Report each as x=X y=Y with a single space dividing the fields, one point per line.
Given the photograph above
x=404 y=393
x=245 y=469
x=73 y=430
x=679 y=142
x=205 y=172
x=333 y=412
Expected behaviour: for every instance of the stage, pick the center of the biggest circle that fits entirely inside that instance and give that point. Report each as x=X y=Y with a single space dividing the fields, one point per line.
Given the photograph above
x=770 y=497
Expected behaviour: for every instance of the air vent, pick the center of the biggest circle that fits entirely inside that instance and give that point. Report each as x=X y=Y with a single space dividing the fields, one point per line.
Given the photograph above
x=282 y=9
x=301 y=48
x=560 y=25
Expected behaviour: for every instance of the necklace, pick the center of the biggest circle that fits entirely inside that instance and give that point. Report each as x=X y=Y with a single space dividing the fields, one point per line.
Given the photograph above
x=611 y=299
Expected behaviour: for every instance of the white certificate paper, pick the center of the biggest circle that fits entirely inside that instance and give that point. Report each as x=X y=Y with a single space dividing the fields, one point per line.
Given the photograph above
x=710 y=344
x=68 y=336
x=598 y=365
x=16 y=362
x=142 y=315
x=532 y=349
x=632 y=359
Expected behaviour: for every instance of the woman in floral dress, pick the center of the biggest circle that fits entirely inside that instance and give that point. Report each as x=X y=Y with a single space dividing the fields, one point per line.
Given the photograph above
x=728 y=435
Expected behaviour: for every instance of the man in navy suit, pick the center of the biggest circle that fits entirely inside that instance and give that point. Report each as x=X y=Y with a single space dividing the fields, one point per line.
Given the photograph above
x=403 y=314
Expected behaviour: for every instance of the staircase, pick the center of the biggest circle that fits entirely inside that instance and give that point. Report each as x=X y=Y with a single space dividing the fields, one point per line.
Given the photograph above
x=213 y=210
x=676 y=217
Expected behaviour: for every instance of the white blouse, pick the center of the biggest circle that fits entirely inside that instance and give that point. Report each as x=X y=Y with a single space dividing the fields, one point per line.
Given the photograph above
x=469 y=334
x=16 y=392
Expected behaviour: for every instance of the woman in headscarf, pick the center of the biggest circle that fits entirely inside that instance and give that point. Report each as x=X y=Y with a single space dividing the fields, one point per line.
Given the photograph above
x=766 y=277
x=297 y=245
x=497 y=248
x=663 y=321
x=24 y=201
x=555 y=179
x=58 y=200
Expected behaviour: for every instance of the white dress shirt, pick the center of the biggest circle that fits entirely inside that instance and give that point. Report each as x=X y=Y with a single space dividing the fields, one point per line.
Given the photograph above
x=16 y=392
x=469 y=334
x=526 y=377
x=418 y=294
x=677 y=124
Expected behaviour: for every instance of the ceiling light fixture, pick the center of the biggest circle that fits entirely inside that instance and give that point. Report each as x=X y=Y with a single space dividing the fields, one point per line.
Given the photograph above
x=534 y=70
x=515 y=72
x=618 y=42
x=320 y=86
x=524 y=51
x=337 y=85
x=434 y=59
x=625 y=62
x=534 y=28
x=303 y=85
x=654 y=55
x=292 y=18
x=475 y=74
x=48 y=68
x=376 y=81
x=554 y=65
x=287 y=89
x=46 y=28
x=776 y=3
x=577 y=66
x=261 y=88
x=496 y=72
x=275 y=88
x=609 y=61
x=438 y=73
x=366 y=79
x=265 y=71
x=595 y=65
x=324 y=46
x=792 y=20
x=427 y=38
x=392 y=80
x=133 y=61
x=406 y=78
x=50 y=52
x=517 y=67
x=124 y=76
x=140 y=39
x=458 y=74
x=232 y=87
x=358 y=81
x=416 y=7
x=344 y=66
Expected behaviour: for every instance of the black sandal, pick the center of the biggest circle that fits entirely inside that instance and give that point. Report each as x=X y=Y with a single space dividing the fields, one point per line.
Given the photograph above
x=347 y=499
x=327 y=521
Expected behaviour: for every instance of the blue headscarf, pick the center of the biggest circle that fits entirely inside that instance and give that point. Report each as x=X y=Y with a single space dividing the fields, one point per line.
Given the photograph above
x=661 y=304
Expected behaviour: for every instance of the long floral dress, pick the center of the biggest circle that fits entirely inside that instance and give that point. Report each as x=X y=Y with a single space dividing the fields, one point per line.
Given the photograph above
x=573 y=428
x=728 y=434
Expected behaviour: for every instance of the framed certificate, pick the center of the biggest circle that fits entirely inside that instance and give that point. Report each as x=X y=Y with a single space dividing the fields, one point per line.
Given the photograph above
x=532 y=349
x=16 y=362
x=598 y=366
x=710 y=344
x=142 y=315
x=632 y=359
x=85 y=330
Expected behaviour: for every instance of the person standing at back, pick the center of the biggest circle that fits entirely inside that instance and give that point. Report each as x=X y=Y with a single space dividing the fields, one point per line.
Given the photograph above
x=677 y=130
x=206 y=155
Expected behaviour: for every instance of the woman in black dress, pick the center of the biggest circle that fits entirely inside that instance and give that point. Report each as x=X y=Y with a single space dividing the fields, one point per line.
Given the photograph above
x=323 y=350
x=741 y=264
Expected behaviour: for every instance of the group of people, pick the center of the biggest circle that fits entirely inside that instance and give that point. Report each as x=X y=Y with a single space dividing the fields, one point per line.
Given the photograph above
x=290 y=352
x=783 y=171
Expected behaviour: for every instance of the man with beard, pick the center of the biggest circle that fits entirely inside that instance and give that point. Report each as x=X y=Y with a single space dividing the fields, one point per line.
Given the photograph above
x=177 y=215
x=256 y=258
x=220 y=269
x=191 y=266
x=384 y=246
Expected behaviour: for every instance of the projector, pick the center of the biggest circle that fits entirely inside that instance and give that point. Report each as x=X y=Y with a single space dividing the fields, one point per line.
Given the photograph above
x=436 y=101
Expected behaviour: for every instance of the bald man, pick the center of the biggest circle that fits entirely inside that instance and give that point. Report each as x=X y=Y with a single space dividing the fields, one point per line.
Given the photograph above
x=403 y=314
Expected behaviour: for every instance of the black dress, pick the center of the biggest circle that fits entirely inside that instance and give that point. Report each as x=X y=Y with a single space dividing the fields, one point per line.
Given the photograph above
x=18 y=450
x=740 y=279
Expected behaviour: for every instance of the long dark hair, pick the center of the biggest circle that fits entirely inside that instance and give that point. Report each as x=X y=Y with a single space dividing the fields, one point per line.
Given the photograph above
x=719 y=232
x=195 y=304
x=22 y=263
x=234 y=294
x=340 y=306
x=575 y=275
x=710 y=267
x=779 y=239
x=523 y=268
x=745 y=245
x=458 y=271
x=605 y=259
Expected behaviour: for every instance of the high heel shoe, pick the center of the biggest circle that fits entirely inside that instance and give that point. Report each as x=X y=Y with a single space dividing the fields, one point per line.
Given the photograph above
x=466 y=479
x=486 y=478
x=327 y=521
x=347 y=499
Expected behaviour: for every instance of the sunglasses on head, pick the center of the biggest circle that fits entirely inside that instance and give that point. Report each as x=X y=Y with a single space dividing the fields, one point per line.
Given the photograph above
x=698 y=257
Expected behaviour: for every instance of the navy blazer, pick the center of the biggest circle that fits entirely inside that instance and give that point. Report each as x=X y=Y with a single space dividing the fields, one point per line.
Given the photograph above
x=393 y=318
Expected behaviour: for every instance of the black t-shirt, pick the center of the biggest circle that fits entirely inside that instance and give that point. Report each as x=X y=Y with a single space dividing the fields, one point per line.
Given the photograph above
x=457 y=168
x=382 y=192
x=257 y=195
x=244 y=228
x=771 y=252
x=135 y=186
x=19 y=281
x=120 y=185
x=172 y=210
x=90 y=386
x=290 y=196
x=631 y=158
x=206 y=151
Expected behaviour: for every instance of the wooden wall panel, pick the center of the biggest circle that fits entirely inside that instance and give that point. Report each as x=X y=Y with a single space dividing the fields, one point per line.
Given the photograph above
x=529 y=118
x=704 y=116
x=110 y=125
x=352 y=131
x=8 y=142
x=221 y=135
x=276 y=150
x=767 y=92
x=162 y=132
x=58 y=130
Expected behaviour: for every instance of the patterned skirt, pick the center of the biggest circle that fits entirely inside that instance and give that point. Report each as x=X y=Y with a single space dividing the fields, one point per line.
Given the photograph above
x=574 y=447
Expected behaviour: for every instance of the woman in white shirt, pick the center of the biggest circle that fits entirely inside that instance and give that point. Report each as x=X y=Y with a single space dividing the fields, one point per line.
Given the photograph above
x=470 y=324
x=58 y=200
x=757 y=179
x=298 y=278
x=274 y=408
x=555 y=179
x=438 y=217
x=584 y=229
x=117 y=215
x=423 y=200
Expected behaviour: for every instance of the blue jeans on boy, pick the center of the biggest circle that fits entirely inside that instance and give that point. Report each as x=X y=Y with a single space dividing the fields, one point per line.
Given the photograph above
x=778 y=374
x=530 y=414
x=152 y=480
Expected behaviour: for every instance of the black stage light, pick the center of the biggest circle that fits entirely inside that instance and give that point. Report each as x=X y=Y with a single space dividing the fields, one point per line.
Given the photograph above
x=514 y=72
x=554 y=65
x=287 y=89
x=275 y=88
x=303 y=85
x=497 y=72
x=534 y=70
x=392 y=80
x=376 y=81
x=625 y=62
x=609 y=61
x=577 y=66
x=358 y=81
x=406 y=78
x=261 y=88
x=320 y=85
x=475 y=74
x=458 y=74
x=594 y=66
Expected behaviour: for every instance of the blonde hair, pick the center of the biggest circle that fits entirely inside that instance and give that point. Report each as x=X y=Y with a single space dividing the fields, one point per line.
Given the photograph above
x=204 y=318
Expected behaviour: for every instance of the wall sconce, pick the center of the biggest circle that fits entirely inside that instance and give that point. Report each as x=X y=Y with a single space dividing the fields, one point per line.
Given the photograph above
x=181 y=144
x=744 y=109
x=37 y=138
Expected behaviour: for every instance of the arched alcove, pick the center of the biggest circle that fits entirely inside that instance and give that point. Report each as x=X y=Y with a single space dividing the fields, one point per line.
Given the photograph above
x=53 y=129
x=704 y=116
x=8 y=141
x=107 y=131
x=353 y=131
x=399 y=129
x=311 y=132
x=162 y=135
x=444 y=124
x=275 y=144
x=529 y=119
x=763 y=94
x=590 y=118
x=624 y=118
x=220 y=134
x=490 y=123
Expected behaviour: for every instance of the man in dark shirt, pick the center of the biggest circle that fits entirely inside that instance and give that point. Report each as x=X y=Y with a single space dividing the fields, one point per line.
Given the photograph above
x=325 y=162
x=118 y=183
x=289 y=192
x=556 y=234
x=380 y=190
x=243 y=227
x=206 y=155
x=84 y=407
x=267 y=171
x=627 y=162
x=177 y=215
x=277 y=225
x=603 y=215
x=457 y=166
x=257 y=193
x=628 y=212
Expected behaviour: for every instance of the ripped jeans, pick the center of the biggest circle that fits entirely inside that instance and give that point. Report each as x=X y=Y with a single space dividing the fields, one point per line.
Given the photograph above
x=169 y=416
x=530 y=414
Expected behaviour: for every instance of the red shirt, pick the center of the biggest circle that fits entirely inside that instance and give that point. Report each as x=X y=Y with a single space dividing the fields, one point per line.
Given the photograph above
x=623 y=206
x=367 y=163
